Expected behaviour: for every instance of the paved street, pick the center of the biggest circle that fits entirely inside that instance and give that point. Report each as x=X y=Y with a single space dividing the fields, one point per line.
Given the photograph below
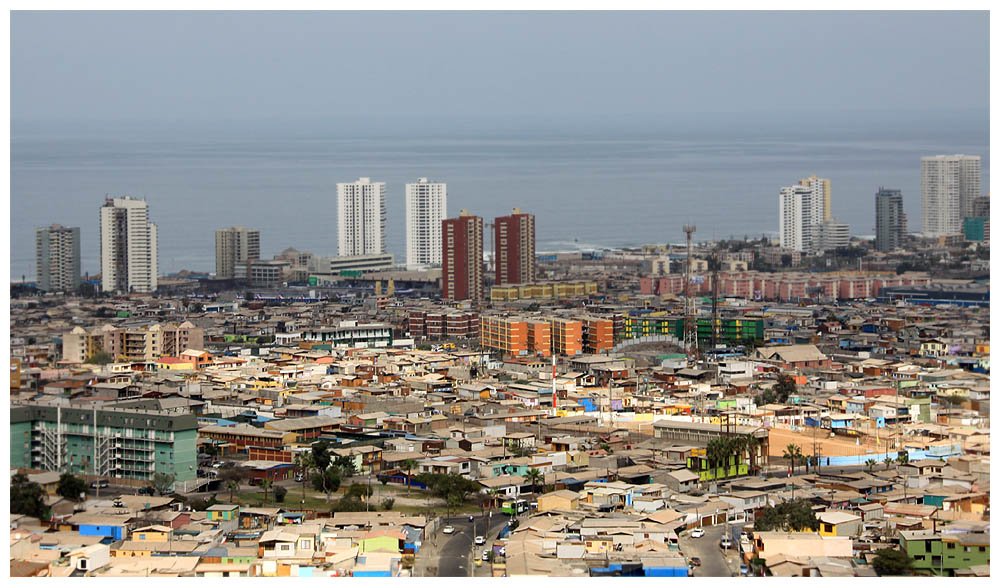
x=454 y=553
x=713 y=559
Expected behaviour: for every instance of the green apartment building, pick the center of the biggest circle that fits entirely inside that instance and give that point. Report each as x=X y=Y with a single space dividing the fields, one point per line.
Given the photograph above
x=943 y=554
x=732 y=331
x=109 y=442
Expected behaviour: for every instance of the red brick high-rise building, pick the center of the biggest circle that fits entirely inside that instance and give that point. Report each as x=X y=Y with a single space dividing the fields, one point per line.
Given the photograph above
x=462 y=257
x=514 y=236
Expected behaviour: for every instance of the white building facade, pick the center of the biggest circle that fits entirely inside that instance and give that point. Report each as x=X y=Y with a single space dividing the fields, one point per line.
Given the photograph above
x=128 y=246
x=801 y=210
x=426 y=207
x=949 y=184
x=361 y=217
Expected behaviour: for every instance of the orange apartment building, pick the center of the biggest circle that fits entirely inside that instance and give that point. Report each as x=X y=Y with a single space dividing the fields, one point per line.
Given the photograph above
x=519 y=337
x=598 y=334
x=515 y=336
x=567 y=336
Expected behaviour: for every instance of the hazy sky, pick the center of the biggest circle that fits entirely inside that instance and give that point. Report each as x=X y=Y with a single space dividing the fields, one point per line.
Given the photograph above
x=163 y=66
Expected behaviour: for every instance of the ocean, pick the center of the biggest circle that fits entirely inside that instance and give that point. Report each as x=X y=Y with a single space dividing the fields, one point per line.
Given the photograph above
x=587 y=189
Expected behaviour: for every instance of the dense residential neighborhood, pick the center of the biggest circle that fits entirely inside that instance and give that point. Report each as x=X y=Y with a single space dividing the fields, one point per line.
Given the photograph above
x=362 y=432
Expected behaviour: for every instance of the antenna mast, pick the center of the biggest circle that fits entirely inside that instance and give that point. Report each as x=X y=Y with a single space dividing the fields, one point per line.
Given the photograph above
x=690 y=311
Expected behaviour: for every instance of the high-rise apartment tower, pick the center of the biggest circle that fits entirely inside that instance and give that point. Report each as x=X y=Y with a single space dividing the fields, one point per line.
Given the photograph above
x=890 y=220
x=514 y=238
x=426 y=208
x=128 y=246
x=462 y=257
x=801 y=210
x=949 y=184
x=57 y=258
x=234 y=248
x=361 y=217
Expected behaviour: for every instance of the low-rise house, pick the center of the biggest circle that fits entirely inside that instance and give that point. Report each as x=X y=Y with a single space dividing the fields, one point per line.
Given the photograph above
x=562 y=499
x=839 y=523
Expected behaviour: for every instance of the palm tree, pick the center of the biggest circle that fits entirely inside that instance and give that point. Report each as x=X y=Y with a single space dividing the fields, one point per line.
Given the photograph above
x=752 y=445
x=714 y=452
x=870 y=463
x=233 y=486
x=304 y=462
x=792 y=453
x=265 y=485
x=888 y=462
x=534 y=476
x=408 y=465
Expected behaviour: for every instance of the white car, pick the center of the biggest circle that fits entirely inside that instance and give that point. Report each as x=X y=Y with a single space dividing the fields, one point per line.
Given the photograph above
x=725 y=542
x=486 y=555
x=697 y=533
x=449 y=530
x=480 y=540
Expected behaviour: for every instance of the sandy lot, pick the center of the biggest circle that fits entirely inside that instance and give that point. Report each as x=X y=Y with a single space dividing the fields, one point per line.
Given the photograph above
x=831 y=447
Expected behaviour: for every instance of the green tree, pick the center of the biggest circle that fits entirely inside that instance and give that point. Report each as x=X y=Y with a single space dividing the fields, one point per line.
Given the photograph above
x=327 y=481
x=790 y=515
x=27 y=498
x=211 y=450
x=870 y=463
x=784 y=388
x=345 y=465
x=162 y=482
x=387 y=503
x=322 y=459
x=70 y=486
x=99 y=358
x=279 y=494
x=890 y=562
x=888 y=462
x=534 y=476
x=904 y=457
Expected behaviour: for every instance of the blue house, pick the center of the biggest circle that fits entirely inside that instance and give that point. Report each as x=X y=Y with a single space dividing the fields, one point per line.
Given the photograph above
x=108 y=526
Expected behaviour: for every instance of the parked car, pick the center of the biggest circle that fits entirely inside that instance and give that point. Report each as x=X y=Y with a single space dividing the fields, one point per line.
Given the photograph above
x=480 y=540
x=472 y=518
x=449 y=530
x=726 y=542
x=486 y=555
x=744 y=570
x=697 y=533
x=299 y=478
x=102 y=484
x=147 y=491
x=695 y=561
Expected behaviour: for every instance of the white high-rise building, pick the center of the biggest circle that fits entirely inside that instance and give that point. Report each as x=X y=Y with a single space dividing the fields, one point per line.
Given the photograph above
x=949 y=184
x=128 y=246
x=426 y=207
x=801 y=210
x=361 y=217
